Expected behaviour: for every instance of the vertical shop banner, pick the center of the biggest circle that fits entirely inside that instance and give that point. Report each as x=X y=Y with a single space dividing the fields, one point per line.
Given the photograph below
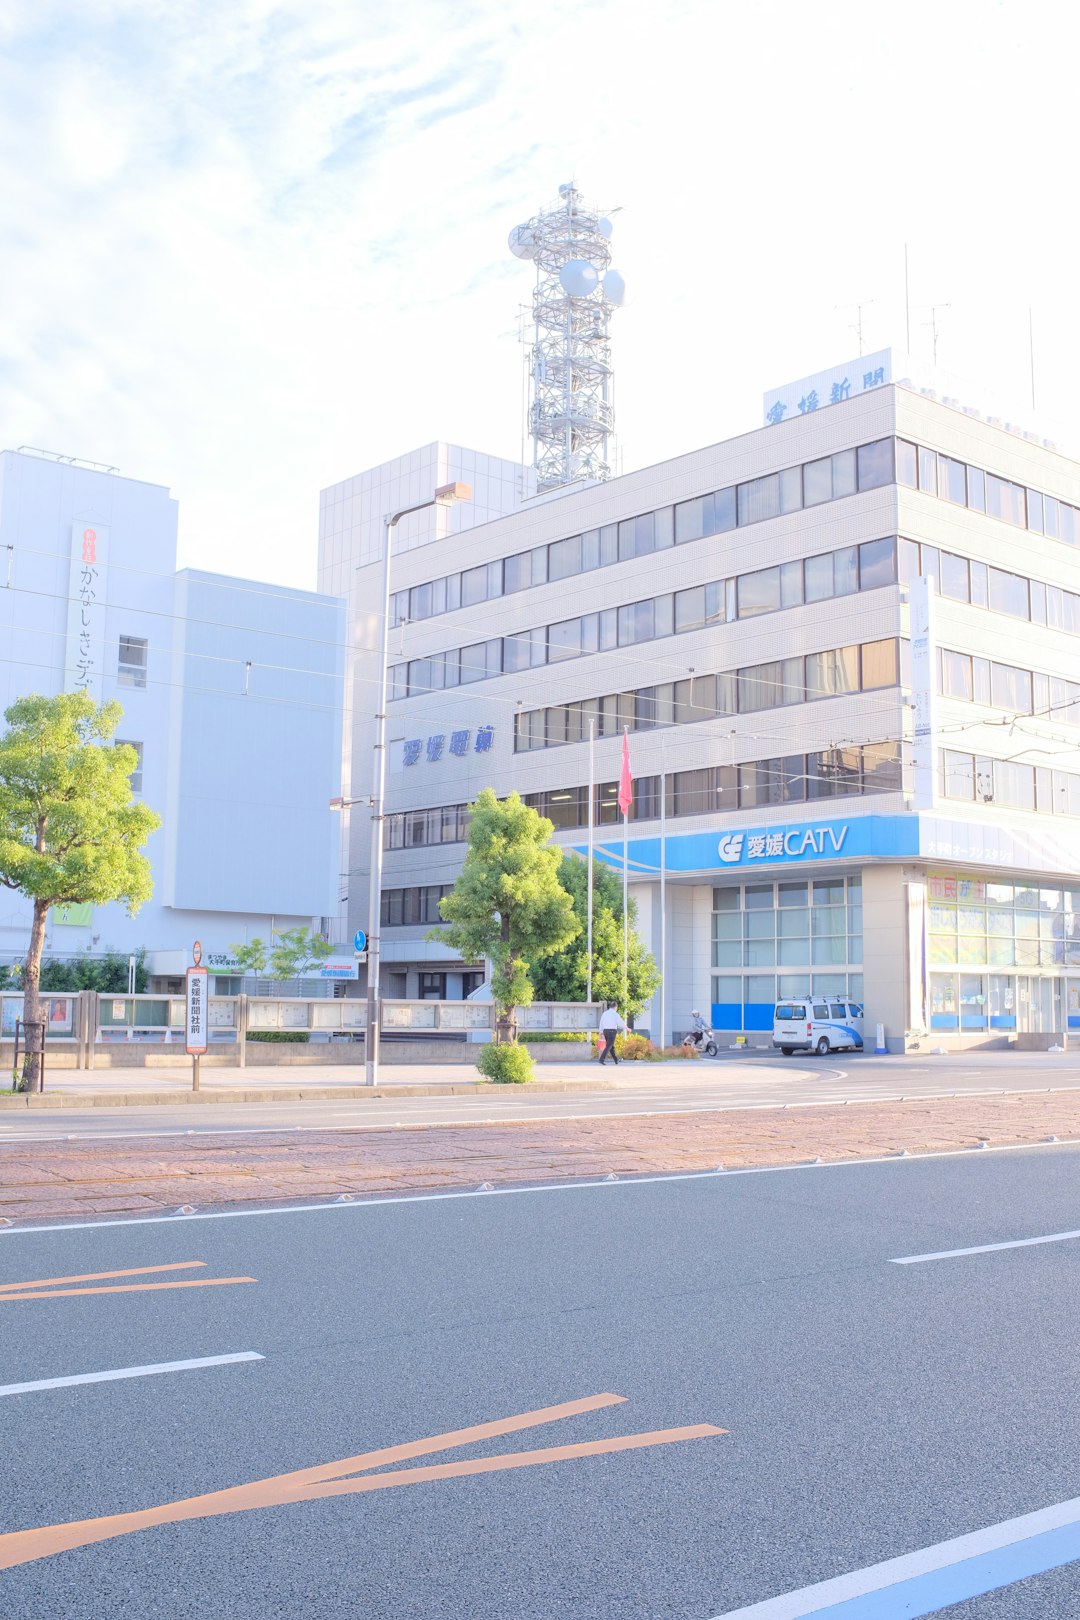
x=917 y=1011
x=84 y=654
x=924 y=691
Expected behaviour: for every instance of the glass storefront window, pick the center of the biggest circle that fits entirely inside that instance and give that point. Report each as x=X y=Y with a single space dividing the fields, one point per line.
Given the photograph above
x=774 y=926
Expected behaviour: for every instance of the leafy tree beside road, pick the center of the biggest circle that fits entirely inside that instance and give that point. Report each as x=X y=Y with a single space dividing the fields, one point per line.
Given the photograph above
x=70 y=829
x=291 y=954
x=564 y=977
x=508 y=904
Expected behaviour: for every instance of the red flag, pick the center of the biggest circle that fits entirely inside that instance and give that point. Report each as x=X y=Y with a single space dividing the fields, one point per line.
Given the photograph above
x=626 y=781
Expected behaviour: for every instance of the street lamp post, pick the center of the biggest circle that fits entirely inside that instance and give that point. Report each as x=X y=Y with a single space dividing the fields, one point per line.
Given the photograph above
x=446 y=495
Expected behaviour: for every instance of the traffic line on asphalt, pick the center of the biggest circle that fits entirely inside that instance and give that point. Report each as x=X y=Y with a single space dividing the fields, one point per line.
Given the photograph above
x=926 y=1582
x=338 y=1478
x=151 y=1370
x=984 y=1248
x=44 y=1287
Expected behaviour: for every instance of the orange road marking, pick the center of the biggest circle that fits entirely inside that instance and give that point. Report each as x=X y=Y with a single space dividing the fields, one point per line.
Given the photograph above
x=120 y=1288
x=98 y=1276
x=328 y=1479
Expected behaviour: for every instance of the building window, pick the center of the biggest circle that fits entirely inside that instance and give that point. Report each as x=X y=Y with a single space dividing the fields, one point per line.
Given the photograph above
x=402 y=907
x=137 y=774
x=433 y=986
x=809 y=935
x=131 y=665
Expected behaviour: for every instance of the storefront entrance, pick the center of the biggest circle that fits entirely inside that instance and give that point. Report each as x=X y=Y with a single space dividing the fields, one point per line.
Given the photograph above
x=1038 y=1005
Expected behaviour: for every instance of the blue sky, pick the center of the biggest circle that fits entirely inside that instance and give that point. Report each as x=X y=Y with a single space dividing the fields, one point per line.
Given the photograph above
x=252 y=249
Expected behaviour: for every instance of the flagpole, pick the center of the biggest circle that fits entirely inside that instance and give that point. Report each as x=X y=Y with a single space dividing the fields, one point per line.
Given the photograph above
x=663 y=898
x=589 y=882
x=625 y=899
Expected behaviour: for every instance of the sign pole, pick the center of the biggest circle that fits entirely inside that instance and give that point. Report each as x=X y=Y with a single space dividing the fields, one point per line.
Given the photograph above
x=196 y=1029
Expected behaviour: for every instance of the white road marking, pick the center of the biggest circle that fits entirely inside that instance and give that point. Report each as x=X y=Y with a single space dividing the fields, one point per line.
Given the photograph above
x=983 y=1248
x=149 y=1371
x=544 y=1187
x=828 y=1598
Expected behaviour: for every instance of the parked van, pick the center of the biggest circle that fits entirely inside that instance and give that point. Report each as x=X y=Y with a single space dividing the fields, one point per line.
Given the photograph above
x=817 y=1024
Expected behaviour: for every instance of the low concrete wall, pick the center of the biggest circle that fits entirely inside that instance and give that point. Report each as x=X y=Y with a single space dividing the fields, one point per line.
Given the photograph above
x=292 y=1055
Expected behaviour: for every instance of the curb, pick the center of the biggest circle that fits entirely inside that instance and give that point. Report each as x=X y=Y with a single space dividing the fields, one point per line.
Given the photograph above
x=151 y=1099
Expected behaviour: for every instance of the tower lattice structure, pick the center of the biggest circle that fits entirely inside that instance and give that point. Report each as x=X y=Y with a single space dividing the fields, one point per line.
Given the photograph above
x=571 y=393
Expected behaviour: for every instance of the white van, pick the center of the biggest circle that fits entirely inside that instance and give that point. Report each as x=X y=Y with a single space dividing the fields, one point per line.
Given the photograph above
x=817 y=1024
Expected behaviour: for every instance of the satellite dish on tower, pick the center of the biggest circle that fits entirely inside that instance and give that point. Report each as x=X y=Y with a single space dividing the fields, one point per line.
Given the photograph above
x=579 y=278
x=614 y=288
x=522 y=242
x=604 y=228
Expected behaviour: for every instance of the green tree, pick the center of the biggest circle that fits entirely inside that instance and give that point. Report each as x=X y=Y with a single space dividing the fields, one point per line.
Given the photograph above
x=564 y=977
x=508 y=903
x=70 y=830
x=107 y=974
x=292 y=952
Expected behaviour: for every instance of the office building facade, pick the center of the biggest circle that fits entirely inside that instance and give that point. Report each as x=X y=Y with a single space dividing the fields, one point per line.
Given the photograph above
x=844 y=647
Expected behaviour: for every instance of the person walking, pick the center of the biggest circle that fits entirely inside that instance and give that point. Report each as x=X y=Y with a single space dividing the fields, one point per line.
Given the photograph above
x=610 y=1025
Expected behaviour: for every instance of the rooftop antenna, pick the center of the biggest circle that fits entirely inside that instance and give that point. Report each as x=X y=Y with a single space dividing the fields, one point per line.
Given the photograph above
x=857 y=324
x=571 y=410
x=932 y=323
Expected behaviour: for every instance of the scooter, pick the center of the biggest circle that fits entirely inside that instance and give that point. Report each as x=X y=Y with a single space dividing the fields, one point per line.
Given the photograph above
x=702 y=1040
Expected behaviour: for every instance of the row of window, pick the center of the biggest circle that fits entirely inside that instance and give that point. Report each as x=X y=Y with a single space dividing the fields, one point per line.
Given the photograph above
x=846 y=473
x=1010 y=783
x=979 y=491
x=793 y=924
x=708 y=790
x=758 y=784
x=964 y=580
x=817 y=923
x=826 y=774
x=416 y=905
x=800 y=679
x=1005 y=686
x=977 y=1001
x=766 y=590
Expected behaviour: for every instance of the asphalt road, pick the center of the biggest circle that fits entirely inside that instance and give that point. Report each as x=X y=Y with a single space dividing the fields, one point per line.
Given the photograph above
x=872 y=1410
x=727 y=1082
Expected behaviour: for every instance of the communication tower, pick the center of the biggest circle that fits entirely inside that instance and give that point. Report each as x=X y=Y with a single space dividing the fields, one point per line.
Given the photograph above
x=571 y=408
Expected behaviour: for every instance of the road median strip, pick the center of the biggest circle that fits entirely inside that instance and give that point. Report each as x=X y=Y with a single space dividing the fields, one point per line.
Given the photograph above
x=60 y=1180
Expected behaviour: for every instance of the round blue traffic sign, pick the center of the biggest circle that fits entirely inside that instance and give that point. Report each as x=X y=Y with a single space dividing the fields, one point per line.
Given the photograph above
x=359 y=940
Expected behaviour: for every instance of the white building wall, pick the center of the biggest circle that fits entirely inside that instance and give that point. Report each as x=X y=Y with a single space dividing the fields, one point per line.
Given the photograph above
x=972 y=835
x=241 y=782
x=351 y=534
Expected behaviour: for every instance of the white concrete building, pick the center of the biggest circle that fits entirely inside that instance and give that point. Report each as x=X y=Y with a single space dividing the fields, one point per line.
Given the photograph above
x=232 y=693
x=351 y=531
x=871 y=785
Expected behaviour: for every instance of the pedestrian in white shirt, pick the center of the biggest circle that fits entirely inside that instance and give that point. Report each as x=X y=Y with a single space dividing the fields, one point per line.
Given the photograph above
x=610 y=1025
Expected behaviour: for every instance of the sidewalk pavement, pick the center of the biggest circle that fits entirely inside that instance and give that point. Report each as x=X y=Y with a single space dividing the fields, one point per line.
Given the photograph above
x=61 y=1180
x=117 y=1088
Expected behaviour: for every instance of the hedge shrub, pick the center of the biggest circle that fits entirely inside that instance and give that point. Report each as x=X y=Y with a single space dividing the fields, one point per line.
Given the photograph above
x=507 y=1065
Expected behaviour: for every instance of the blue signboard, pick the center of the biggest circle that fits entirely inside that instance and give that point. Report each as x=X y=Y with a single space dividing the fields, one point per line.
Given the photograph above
x=753 y=848
x=359 y=940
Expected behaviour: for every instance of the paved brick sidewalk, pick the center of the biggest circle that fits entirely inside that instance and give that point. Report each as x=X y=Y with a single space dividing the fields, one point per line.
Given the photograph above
x=57 y=1180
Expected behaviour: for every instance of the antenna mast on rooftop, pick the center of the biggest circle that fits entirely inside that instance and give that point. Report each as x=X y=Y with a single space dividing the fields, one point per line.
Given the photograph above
x=571 y=409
